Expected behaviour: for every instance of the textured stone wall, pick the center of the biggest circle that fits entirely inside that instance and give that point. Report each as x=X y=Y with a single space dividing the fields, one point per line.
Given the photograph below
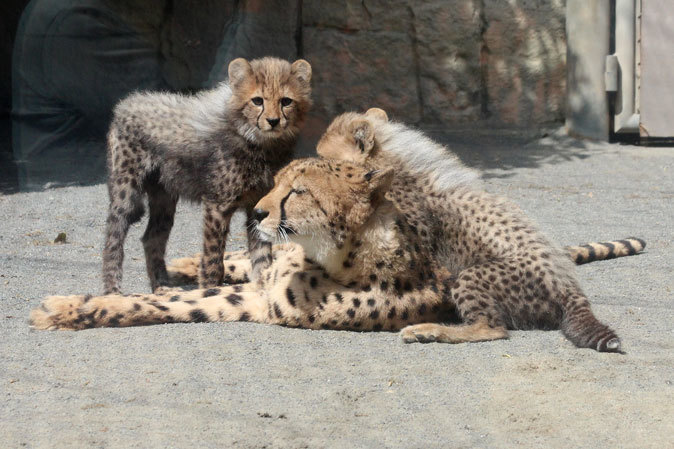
x=439 y=62
x=432 y=62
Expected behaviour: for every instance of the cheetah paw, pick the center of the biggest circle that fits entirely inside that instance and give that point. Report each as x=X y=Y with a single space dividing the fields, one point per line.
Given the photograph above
x=57 y=312
x=416 y=334
x=183 y=271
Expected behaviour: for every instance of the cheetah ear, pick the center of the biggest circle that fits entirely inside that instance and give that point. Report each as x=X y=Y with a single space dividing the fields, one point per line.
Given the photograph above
x=239 y=71
x=302 y=70
x=363 y=133
x=377 y=113
x=380 y=180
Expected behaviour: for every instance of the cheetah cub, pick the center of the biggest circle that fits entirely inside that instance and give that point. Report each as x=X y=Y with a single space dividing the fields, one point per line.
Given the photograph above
x=507 y=272
x=221 y=147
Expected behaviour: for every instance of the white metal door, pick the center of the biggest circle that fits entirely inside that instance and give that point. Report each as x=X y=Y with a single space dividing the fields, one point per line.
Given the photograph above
x=656 y=83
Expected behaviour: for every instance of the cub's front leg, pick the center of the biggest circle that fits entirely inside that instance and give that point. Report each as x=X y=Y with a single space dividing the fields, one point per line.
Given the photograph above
x=216 y=227
x=260 y=252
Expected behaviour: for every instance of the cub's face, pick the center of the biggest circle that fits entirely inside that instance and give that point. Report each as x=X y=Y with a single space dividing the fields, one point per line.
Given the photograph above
x=271 y=97
x=321 y=200
x=352 y=136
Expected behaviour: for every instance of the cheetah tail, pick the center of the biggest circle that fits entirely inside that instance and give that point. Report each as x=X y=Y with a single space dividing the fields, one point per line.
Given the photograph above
x=584 y=329
x=594 y=251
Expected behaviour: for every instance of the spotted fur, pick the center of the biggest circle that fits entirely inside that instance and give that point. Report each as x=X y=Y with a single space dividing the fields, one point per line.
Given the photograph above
x=362 y=264
x=360 y=270
x=221 y=147
x=506 y=269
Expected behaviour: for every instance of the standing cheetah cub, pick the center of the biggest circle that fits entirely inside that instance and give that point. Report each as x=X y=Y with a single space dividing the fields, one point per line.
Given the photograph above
x=221 y=147
x=508 y=273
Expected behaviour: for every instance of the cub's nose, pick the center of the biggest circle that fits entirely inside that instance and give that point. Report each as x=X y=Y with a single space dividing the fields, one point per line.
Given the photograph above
x=273 y=121
x=260 y=214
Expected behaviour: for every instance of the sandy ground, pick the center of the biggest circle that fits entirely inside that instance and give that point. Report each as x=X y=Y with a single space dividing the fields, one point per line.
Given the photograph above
x=245 y=385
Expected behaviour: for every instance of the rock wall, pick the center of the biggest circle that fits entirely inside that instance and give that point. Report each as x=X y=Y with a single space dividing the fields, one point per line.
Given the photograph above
x=431 y=63
x=439 y=62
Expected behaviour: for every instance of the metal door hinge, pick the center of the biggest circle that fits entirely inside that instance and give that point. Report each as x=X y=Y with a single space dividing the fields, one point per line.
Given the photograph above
x=611 y=73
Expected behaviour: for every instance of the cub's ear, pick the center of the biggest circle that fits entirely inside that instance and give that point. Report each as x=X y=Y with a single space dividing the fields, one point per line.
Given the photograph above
x=363 y=132
x=380 y=180
x=239 y=71
x=302 y=70
x=376 y=184
x=377 y=113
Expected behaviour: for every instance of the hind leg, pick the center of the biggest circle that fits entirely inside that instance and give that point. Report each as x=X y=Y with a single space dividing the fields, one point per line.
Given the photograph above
x=474 y=301
x=126 y=208
x=162 y=211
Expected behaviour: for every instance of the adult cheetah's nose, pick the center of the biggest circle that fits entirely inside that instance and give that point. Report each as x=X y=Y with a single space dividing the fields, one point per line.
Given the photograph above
x=260 y=214
x=273 y=121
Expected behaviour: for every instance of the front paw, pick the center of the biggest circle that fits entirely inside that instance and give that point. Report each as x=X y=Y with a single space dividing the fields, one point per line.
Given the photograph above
x=183 y=271
x=58 y=312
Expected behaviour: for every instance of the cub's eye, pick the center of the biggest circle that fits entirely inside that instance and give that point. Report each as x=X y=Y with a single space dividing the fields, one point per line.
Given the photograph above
x=285 y=101
x=257 y=101
x=299 y=190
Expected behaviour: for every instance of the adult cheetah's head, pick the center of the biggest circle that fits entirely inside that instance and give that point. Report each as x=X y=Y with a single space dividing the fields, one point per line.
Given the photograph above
x=270 y=96
x=321 y=200
x=351 y=136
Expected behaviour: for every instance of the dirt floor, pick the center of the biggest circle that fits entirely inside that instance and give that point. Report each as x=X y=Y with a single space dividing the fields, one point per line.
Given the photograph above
x=244 y=385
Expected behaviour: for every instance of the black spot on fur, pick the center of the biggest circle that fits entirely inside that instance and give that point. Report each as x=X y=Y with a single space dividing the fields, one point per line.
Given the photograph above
x=114 y=321
x=422 y=309
x=244 y=317
x=198 y=316
x=277 y=311
x=234 y=299
x=174 y=298
x=291 y=296
x=211 y=292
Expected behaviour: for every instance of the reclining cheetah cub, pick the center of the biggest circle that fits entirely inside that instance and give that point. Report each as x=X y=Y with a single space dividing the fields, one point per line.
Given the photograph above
x=362 y=265
x=507 y=270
